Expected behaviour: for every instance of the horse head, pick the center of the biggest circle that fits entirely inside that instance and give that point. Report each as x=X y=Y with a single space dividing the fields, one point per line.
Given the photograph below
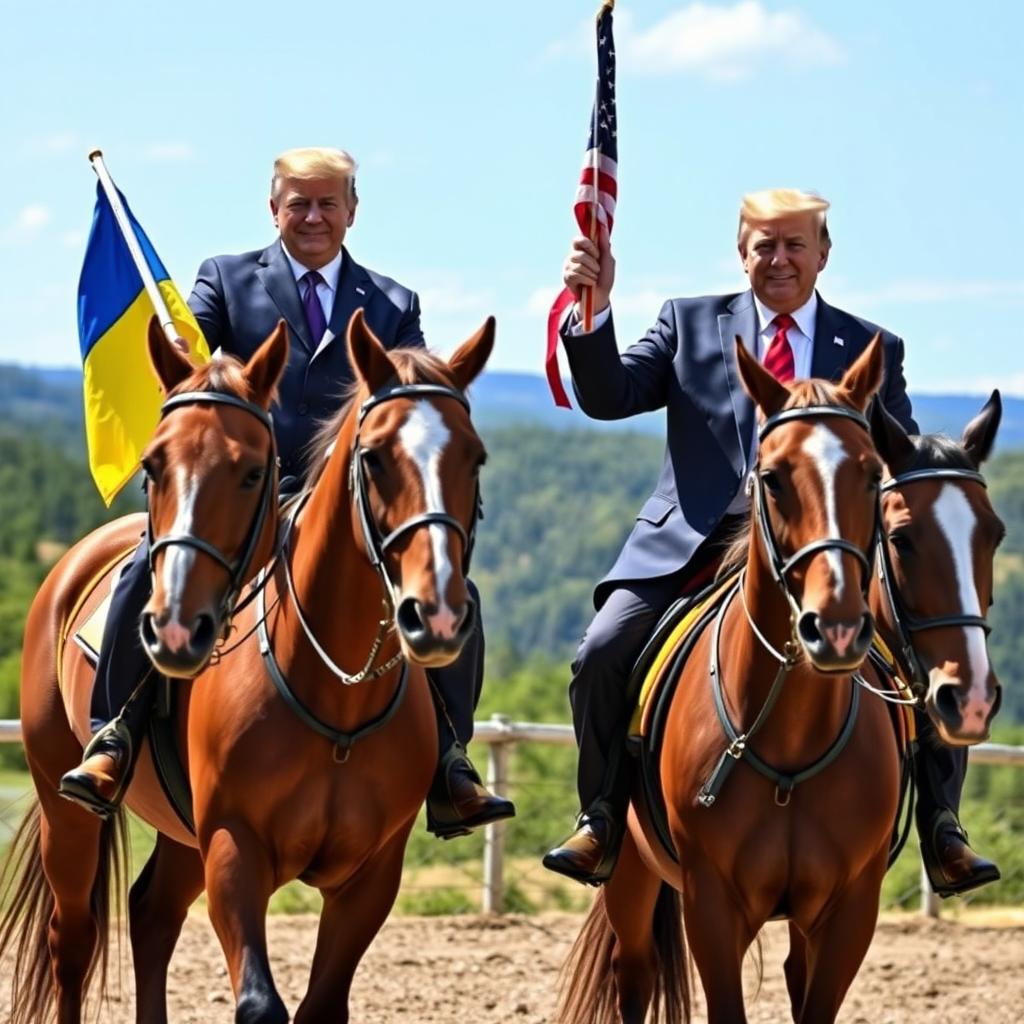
x=415 y=465
x=815 y=502
x=211 y=481
x=940 y=534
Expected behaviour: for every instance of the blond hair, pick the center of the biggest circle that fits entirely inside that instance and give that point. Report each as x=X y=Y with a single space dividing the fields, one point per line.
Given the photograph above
x=773 y=203
x=315 y=162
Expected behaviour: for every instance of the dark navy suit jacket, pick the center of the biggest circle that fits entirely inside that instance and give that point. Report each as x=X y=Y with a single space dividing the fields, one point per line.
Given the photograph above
x=686 y=364
x=238 y=301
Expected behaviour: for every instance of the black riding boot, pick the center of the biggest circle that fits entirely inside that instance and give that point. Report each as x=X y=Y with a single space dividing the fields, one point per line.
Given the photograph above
x=108 y=762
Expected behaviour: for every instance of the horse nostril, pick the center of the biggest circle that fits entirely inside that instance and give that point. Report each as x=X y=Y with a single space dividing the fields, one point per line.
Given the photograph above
x=204 y=632
x=809 y=628
x=867 y=631
x=947 y=703
x=149 y=631
x=410 y=617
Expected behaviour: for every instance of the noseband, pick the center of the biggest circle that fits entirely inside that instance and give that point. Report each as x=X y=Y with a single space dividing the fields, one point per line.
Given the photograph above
x=237 y=569
x=779 y=564
x=377 y=545
x=904 y=621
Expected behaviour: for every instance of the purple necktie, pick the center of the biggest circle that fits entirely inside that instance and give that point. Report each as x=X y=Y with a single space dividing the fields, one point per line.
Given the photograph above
x=311 y=303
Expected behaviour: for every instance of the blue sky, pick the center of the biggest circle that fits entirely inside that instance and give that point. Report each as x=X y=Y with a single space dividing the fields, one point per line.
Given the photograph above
x=469 y=120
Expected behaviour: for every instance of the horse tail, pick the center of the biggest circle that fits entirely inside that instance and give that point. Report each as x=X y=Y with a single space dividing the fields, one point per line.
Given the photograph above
x=587 y=984
x=674 y=974
x=29 y=906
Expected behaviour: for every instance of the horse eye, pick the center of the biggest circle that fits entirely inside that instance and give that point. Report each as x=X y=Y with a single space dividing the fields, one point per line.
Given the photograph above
x=771 y=480
x=373 y=462
x=901 y=544
x=149 y=470
x=253 y=478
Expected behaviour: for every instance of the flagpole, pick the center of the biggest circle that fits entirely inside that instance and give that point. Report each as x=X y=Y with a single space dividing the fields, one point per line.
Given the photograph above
x=138 y=257
x=588 y=293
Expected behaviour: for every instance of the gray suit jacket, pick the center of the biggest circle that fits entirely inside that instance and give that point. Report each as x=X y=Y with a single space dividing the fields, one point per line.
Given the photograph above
x=238 y=301
x=686 y=364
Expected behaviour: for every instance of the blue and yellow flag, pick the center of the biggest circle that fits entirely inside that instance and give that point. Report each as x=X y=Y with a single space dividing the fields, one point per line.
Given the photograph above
x=122 y=395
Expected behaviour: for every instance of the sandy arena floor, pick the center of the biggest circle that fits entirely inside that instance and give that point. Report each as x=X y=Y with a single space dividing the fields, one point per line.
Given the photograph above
x=474 y=970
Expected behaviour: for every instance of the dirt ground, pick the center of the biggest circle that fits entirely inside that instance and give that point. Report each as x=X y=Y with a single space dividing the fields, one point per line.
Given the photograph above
x=476 y=970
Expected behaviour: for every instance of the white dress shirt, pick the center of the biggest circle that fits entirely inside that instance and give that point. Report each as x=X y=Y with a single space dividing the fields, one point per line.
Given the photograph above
x=327 y=289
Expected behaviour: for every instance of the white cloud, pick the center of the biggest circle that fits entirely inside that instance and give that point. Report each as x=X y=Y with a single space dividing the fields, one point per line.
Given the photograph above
x=27 y=225
x=55 y=144
x=169 y=152
x=73 y=239
x=724 y=43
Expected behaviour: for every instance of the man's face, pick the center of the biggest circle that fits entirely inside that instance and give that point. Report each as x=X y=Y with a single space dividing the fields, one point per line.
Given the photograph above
x=313 y=215
x=783 y=258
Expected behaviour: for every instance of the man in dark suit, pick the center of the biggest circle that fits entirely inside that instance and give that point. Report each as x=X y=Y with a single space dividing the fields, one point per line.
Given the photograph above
x=686 y=365
x=308 y=278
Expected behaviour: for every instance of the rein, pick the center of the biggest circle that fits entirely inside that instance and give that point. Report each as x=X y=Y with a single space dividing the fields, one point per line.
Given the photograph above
x=905 y=622
x=236 y=569
x=739 y=742
x=376 y=547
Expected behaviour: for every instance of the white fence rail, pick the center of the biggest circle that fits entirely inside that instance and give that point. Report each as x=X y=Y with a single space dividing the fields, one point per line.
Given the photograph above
x=501 y=735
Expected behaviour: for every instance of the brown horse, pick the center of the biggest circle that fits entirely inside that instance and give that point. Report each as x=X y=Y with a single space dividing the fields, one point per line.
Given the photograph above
x=292 y=762
x=938 y=526
x=795 y=818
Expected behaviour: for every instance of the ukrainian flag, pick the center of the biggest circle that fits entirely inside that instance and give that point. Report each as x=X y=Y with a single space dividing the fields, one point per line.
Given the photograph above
x=122 y=395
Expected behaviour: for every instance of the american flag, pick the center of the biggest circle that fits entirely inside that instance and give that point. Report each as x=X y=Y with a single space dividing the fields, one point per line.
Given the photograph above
x=597 y=190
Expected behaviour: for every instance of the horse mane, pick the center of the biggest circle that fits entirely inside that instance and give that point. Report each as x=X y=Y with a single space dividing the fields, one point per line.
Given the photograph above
x=802 y=393
x=224 y=374
x=412 y=366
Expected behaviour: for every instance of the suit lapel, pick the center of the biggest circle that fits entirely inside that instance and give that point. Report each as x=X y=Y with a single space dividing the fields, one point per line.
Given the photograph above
x=831 y=352
x=276 y=276
x=741 y=321
x=354 y=288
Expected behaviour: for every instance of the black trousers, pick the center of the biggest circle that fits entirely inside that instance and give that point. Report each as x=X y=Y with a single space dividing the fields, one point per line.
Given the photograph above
x=123 y=660
x=939 y=771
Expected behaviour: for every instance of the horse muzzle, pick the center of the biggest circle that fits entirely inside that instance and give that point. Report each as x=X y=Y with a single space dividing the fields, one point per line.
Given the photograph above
x=176 y=648
x=432 y=635
x=961 y=715
x=833 y=645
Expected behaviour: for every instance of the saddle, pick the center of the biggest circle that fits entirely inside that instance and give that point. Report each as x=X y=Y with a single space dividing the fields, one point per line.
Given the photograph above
x=654 y=679
x=84 y=627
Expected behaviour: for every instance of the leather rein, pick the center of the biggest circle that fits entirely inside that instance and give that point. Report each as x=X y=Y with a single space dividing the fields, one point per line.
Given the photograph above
x=376 y=549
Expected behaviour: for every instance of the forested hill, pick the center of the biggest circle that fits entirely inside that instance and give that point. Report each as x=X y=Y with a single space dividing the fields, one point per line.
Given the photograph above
x=558 y=504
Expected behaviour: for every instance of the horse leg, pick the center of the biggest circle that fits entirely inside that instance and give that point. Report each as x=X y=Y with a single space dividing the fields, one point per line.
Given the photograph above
x=836 y=947
x=719 y=935
x=239 y=879
x=158 y=904
x=630 y=898
x=351 y=917
x=70 y=850
x=795 y=968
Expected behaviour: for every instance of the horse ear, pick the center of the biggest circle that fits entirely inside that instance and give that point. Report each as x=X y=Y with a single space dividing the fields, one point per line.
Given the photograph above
x=367 y=355
x=891 y=440
x=769 y=394
x=864 y=378
x=264 y=369
x=471 y=356
x=980 y=433
x=170 y=365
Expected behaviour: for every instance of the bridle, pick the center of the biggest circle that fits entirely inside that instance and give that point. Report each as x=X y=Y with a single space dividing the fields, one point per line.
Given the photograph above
x=376 y=548
x=238 y=569
x=780 y=565
x=905 y=623
x=377 y=545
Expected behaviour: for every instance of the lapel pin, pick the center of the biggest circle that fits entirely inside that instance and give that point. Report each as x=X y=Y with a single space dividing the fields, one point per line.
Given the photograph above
x=838 y=341
x=362 y=291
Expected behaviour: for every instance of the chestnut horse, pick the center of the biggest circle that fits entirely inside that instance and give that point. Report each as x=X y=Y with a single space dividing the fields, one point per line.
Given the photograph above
x=795 y=818
x=311 y=745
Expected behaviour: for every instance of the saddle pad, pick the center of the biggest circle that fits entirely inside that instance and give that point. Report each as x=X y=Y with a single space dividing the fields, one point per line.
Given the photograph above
x=89 y=636
x=675 y=627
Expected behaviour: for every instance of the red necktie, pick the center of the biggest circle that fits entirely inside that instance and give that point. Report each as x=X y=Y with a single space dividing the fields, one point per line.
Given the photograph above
x=778 y=360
